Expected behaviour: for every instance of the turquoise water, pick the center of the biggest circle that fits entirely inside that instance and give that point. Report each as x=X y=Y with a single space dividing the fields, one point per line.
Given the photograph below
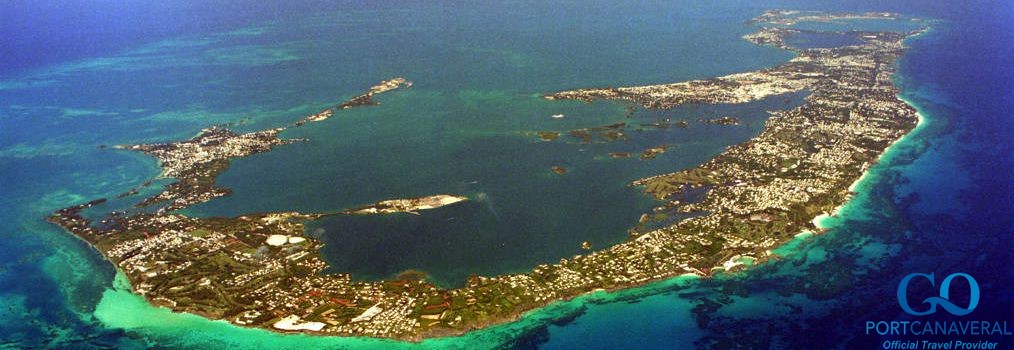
x=478 y=71
x=932 y=204
x=936 y=203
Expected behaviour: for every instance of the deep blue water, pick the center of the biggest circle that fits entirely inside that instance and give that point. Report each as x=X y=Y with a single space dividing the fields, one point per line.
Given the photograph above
x=940 y=203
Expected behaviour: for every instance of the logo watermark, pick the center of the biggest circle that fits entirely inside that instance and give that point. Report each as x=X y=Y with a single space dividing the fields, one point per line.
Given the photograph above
x=947 y=301
x=944 y=299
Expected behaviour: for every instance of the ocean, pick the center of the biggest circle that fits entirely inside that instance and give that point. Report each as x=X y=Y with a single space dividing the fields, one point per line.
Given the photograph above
x=939 y=201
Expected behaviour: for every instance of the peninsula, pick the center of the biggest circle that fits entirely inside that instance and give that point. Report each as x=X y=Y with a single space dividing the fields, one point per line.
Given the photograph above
x=259 y=270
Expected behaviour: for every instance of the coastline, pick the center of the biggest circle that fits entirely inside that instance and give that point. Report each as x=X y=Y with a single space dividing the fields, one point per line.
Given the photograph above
x=120 y=299
x=546 y=285
x=820 y=221
x=641 y=289
x=940 y=189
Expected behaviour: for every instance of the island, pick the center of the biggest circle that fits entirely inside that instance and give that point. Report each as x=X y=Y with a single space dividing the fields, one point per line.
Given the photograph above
x=726 y=120
x=260 y=270
x=409 y=205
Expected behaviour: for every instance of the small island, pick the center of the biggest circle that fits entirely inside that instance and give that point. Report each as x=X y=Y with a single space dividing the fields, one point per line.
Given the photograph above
x=260 y=270
x=409 y=205
x=726 y=120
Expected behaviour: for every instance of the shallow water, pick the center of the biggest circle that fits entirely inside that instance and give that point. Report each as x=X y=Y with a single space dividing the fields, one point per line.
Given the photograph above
x=936 y=203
